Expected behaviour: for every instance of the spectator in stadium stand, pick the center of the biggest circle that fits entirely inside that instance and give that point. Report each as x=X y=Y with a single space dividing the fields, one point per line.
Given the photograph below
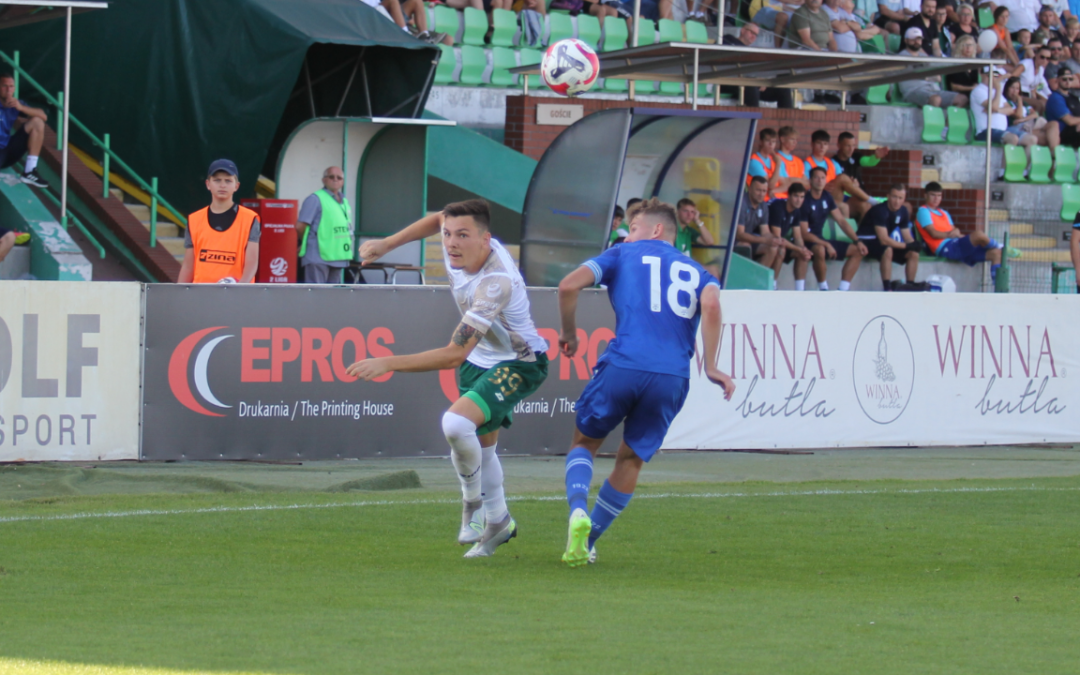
x=925 y=21
x=1058 y=54
x=691 y=230
x=789 y=167
x=963 y=82
x=651 y=10
x=22 y=132
x=1022 y=43
x=1073 y=62
x=836 y=181
x=810 y=28
x=221 y=243
x=847 y=29
x=396 y=11
x=940 y=235
x=1063 y=109
x=941 y=18
x=1051 y=75
x=1072 y=30
x=1033 y=86
x=784 y=217
x=1025 y=121
x=324 y=230
x=1049 y=26
x=926 y=91
x=892 y=14
x=773 y=15
x=886 y=232
x=752 y=228
x=851 y=162
x=963 y=25
x=591 y=7
x=816 y=209
x=1000 y=28
x=619 y=229
x=1022 y=14
x=982 y=101
x=753 y=96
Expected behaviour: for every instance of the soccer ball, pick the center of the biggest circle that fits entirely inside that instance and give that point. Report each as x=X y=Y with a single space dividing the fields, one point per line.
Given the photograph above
x=569 y=67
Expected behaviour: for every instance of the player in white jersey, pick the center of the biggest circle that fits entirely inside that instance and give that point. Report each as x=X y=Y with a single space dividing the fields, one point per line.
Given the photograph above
x=500 y=357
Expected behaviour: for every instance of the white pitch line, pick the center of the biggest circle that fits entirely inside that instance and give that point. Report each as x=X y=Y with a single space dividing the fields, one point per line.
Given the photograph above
x=541 y=498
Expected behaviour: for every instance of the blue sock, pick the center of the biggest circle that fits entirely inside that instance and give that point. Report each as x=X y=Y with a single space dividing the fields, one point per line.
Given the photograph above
x=993 y=272
x=578 y=478
x=609 y=504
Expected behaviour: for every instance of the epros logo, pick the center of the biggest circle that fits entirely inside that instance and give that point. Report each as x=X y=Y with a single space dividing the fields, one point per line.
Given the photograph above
x=268 y=355
x=883 y=370
x=279 y=266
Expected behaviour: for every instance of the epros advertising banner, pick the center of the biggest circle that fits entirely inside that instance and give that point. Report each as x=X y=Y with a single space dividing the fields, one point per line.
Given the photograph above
x=866 y=369
x=69 y=371
x=235 y=372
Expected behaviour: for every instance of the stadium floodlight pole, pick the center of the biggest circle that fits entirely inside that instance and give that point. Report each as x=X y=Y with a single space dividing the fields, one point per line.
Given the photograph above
x=64 y=124
x=633 y=41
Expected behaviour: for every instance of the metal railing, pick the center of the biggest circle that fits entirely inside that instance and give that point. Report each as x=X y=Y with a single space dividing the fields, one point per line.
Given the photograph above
x=108 y=154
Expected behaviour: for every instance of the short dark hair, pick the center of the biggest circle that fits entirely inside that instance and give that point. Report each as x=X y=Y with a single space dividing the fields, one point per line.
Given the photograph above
x=999 y=11
x=630 y=203
x=758 y=180
x=766 y=133
x=900 y=187
x=787 y=131
x=816 y=169
x=820 y=135
x=796 y=189
x=662 y=211
x=685 y=202
x=619 y=213
x=6 y=75
x=844 y=135
x=477 y=209
x=933 y=186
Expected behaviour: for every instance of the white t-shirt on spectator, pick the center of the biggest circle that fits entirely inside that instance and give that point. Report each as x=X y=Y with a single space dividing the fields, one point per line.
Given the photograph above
x=845 y=42
x=978 y=97
x=1033 y=82
x=1022 y=14
x=913 y=5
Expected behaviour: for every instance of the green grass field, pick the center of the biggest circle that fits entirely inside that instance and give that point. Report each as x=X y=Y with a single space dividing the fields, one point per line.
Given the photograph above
x=842 y=576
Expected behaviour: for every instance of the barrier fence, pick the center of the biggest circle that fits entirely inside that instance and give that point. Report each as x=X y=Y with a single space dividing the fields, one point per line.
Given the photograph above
x=162 y=371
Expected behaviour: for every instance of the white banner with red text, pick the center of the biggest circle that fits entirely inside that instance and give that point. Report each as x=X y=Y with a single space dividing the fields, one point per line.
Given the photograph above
x=836 y=369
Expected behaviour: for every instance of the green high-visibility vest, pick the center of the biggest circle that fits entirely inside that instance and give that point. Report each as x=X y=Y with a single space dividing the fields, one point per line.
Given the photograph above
x=335 y=229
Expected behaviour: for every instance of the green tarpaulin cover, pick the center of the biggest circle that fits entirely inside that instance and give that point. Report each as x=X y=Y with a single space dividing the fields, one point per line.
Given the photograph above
x=179 y=83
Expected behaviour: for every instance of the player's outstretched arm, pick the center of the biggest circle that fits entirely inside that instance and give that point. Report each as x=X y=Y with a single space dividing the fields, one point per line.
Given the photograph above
x=569 y=289
x=711 y=325
x=462 y=343
x=428 y=226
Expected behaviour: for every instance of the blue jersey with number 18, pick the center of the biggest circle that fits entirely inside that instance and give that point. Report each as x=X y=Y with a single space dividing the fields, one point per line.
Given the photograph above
x=656 y=293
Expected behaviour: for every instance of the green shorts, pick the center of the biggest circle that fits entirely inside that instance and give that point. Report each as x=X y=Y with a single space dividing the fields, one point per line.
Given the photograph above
x=498 y=389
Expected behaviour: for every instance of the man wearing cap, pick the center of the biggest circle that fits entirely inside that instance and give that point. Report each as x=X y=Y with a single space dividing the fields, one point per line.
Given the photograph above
x=925 y=91
x=221 y=244
x=325 y=232
x=1060 y=112
x=926 y=24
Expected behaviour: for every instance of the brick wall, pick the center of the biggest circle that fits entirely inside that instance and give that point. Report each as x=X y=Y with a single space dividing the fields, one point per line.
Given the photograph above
x=965 y=207
x=905 y=166
x=526 y=136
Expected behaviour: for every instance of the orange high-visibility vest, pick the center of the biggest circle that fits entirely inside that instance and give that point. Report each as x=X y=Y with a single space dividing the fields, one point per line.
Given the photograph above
x=220 y=254
x=940 y=224
x=794 y=169
x=827 y=164
x=766 y=163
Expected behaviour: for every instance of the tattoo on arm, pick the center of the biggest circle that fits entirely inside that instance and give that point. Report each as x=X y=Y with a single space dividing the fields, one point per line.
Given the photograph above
x=463 y=334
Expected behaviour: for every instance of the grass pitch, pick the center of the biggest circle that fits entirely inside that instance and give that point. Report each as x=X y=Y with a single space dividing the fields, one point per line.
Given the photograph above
x=891 y=576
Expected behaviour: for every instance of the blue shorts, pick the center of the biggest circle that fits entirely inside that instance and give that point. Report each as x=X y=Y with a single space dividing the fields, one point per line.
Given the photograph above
x=648 y=402
x=962 y=250
x=995 y=135
x=766 y=18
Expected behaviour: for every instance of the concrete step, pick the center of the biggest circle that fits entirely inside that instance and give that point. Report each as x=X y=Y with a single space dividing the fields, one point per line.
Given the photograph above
x=117 y=192
x=1021 y=229
x=1045 y=256
x=174 y=245
x=997 y=215
x=1031 y=242
x=931 y=175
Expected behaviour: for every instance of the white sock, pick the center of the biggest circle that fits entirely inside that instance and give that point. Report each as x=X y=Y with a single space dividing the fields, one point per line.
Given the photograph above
x=800 y=284
x=823 y=285
x=31 y=163
x=465 y=453
x=491 y=486
x=845 y=285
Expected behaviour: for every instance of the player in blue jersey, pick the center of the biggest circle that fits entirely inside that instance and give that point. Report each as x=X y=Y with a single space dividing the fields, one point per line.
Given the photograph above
x=659 y=296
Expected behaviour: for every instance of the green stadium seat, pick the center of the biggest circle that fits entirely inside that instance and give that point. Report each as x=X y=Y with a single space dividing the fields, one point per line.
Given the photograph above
x=503 y=58
x=933 y=124
x=875 y=45
x=878 y=95
x=645 y=87
x=444 y=72
x=476 y=25
x=696 y=32
x=531 y=57
x=646 y=33
x=447 y=20
x=588 y=30
x=505 y=27
x=560 y=27
x=670 y=31
x=614 y=34
x=959 y=122
x=1064 y=164
x=612 y=84
x=1070 y=201
x=1040 y=164
x=894 y=43
x=1015 y=163
x=473 y=64
x=986 y=17
x=672 y=88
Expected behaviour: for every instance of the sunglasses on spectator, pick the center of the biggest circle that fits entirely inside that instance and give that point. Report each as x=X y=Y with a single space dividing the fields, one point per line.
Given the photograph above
x=335 y=177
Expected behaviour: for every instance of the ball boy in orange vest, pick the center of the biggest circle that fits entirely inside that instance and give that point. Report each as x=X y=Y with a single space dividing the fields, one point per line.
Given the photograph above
x=221 y=244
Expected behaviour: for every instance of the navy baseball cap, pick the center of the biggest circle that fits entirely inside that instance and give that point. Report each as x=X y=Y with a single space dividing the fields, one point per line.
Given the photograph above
x=226 y=165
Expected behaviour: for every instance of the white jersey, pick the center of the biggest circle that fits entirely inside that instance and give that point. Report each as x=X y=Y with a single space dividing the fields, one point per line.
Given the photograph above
x=494 y=301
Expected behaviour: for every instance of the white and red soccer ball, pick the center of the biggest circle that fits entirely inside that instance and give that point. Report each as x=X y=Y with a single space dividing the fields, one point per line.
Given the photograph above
x=569 y=67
